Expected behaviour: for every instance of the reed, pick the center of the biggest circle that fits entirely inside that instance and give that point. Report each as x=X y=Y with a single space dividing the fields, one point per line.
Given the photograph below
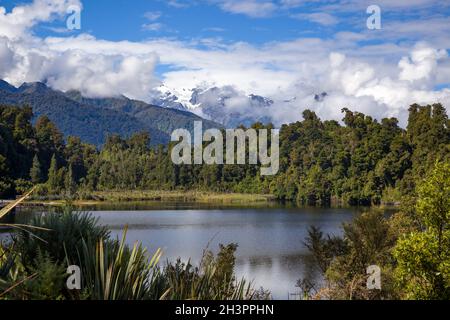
x=8 y=208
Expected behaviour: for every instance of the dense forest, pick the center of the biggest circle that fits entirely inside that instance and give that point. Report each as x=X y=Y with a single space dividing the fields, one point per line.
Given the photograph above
x=360 y=162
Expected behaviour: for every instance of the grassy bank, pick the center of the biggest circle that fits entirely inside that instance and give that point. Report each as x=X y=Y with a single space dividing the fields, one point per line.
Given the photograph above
x=163 y=196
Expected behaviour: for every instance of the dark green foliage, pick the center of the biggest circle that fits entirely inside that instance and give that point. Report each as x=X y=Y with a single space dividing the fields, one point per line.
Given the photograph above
x=213 y=279
x=53 y=181
x=321 y=162
x=423 y=256
x=36 y=171
x=368 y=240
x=65 y=235
x=48 y=282
x=411 y=247
x=324 y=249
x=365 y=162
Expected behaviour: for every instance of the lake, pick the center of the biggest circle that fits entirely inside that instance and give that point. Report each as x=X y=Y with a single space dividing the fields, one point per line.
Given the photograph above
x=271 y=250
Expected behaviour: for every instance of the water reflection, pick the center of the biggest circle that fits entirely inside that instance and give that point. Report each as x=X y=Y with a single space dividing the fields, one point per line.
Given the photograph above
x=271 y=250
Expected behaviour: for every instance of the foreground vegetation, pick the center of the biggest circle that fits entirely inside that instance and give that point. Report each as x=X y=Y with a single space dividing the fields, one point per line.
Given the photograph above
x=412 y=248
x=362 y=162
x=33 y=265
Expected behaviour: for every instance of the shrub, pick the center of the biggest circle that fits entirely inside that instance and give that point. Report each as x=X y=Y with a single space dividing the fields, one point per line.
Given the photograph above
x=47 y=280
x=63 y=239
x=213 y=279
x=423 y=256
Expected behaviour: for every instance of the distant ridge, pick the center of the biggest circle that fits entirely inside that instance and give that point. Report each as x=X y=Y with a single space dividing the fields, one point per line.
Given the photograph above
x=7 y=87
x=93 y=120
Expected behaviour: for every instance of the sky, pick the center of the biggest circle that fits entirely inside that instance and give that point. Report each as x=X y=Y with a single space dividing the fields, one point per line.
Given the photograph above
x=285 y=50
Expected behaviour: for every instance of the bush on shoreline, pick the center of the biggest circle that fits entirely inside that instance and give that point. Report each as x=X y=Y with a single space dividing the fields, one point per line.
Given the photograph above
x=412 y=249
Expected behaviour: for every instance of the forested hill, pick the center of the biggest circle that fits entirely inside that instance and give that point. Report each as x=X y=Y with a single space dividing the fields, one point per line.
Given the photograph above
x=93 y=120
x=362 y=162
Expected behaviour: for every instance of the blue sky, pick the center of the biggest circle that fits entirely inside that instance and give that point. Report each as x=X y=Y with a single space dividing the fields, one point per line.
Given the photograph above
x=123 y=19
x=286 y=50
x=193 y=21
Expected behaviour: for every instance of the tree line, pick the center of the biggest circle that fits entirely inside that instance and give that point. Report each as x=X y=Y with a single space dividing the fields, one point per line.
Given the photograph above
x=359 y=162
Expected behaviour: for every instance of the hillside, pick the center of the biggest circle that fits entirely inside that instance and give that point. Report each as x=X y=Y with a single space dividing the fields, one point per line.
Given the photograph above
x=94 y=119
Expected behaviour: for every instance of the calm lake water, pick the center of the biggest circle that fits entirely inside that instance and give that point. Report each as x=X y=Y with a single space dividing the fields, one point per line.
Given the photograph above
x=271 y=250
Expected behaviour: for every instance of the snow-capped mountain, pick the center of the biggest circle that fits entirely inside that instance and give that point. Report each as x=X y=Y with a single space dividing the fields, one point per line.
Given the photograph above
x=232 y=107
x=225 y=105
x=169 y=98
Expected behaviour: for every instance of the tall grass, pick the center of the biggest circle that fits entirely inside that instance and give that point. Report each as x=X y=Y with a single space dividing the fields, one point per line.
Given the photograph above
x=180 y=195
x=8 y=208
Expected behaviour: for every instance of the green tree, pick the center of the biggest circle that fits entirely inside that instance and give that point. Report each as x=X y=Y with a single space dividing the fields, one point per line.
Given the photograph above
x=69 y=181
x=50 y=141
x=36 y=171
x=423 y=257
x=53 y=175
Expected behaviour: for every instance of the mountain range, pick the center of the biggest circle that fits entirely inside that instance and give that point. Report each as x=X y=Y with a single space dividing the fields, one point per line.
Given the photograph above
x=93 y=119
x=225 y=105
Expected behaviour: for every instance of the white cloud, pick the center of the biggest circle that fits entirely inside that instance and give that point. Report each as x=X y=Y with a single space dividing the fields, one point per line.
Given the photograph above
x=348 y=76
x=152 y=26
x=322 y=18
x=153 y=15
x=292 y=3
x=102 y=75
x=15 y=23
x=178 y=4
x=251 y=8
x=25 y=58
x=421 y=65
x=6 y=55
x=215 y=29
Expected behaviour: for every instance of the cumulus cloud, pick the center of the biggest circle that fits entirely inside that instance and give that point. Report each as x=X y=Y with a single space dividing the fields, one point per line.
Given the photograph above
x=102 y=75
x=6 y=55
x=421 y=65
x=26 y=58
x=348 y=76
x=15 y=23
